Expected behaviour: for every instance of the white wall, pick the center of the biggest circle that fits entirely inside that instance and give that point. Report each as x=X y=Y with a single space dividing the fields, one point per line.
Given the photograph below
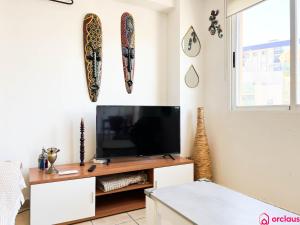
x=190 y=98
x=256 y=153
x=43 y=91
x=185 y=14
x=159 y=5
x=173 y=64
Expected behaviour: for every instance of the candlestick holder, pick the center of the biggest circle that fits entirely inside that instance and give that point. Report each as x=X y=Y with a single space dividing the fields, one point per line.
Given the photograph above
x=82 y=143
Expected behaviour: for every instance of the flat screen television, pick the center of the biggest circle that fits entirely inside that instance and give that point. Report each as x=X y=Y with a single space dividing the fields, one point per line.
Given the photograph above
x=137 y=131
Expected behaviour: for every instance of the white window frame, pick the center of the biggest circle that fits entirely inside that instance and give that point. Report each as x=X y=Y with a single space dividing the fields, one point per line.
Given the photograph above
x=232 y=28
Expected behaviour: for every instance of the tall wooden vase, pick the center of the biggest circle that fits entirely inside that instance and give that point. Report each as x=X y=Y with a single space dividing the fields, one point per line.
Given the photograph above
x=200 y=153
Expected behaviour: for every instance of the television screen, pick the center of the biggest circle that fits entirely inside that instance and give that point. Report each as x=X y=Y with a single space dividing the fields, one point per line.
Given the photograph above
x=137 y=130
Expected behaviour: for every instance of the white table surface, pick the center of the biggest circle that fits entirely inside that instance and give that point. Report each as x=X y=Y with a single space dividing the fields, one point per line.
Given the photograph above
x=206 y=203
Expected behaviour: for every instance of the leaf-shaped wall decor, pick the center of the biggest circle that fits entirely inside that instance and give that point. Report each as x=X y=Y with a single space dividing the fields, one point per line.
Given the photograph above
x=191 y=45
x=191 y=77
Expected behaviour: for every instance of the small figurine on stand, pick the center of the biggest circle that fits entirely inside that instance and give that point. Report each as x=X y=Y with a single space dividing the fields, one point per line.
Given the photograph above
x=43 y=160
x=82 y=142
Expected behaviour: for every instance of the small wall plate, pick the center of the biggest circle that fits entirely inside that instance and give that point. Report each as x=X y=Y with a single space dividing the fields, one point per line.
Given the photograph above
x=191 y=77
x=191 y=45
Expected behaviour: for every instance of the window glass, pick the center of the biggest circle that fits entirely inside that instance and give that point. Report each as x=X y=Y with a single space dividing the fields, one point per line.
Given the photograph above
x=263 y=55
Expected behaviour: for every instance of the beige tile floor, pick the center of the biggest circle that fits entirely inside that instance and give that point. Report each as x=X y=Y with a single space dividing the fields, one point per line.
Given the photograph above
x=137 y=217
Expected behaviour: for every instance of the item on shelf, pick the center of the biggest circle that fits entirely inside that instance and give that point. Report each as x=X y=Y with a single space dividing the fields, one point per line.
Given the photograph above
x=117 y=181
x=67 y=172
x=66 y=2
x=92 y=39
x=128 y=49
x=191 y=45
x=101 y=161
x=92 y=168
x=191 y=77
x=43 y=160
x=200 y=155
x=82 y=142
x=215 y=27
x=52 y=156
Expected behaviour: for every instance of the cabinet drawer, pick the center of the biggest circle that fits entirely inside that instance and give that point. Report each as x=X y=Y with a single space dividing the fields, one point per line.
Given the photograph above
x=63 y=201
x=173 y=175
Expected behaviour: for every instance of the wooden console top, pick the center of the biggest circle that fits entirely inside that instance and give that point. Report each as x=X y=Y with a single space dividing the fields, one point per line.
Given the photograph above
x=123 y=165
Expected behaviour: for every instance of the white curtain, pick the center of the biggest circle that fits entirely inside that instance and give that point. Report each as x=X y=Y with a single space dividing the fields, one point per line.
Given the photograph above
x=235 y=6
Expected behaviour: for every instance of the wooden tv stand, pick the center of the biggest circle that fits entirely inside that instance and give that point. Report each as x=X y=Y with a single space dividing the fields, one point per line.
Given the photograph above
x=74 y=198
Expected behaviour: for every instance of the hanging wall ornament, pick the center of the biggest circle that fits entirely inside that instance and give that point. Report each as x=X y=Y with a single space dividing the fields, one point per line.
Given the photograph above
x=191 y=45
x=66 y=2
x=92 y=38
x=128 y=49
x=191 y=77
x=215 y=27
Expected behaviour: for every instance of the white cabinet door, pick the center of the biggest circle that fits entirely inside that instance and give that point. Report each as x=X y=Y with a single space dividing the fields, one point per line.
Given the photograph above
x=173 y=175
x=63 y=201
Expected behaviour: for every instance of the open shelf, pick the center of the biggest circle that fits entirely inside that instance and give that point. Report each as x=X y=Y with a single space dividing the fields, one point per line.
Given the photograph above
x=108 y=205
x=128 y=188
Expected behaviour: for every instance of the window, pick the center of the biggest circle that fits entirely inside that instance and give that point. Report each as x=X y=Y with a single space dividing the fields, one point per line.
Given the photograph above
x=262 y=60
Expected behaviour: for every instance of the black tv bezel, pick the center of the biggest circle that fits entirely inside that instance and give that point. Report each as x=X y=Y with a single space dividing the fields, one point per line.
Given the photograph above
x=163 y=154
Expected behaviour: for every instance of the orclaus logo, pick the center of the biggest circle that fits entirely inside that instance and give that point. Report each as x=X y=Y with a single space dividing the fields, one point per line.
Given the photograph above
x=264 y=219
